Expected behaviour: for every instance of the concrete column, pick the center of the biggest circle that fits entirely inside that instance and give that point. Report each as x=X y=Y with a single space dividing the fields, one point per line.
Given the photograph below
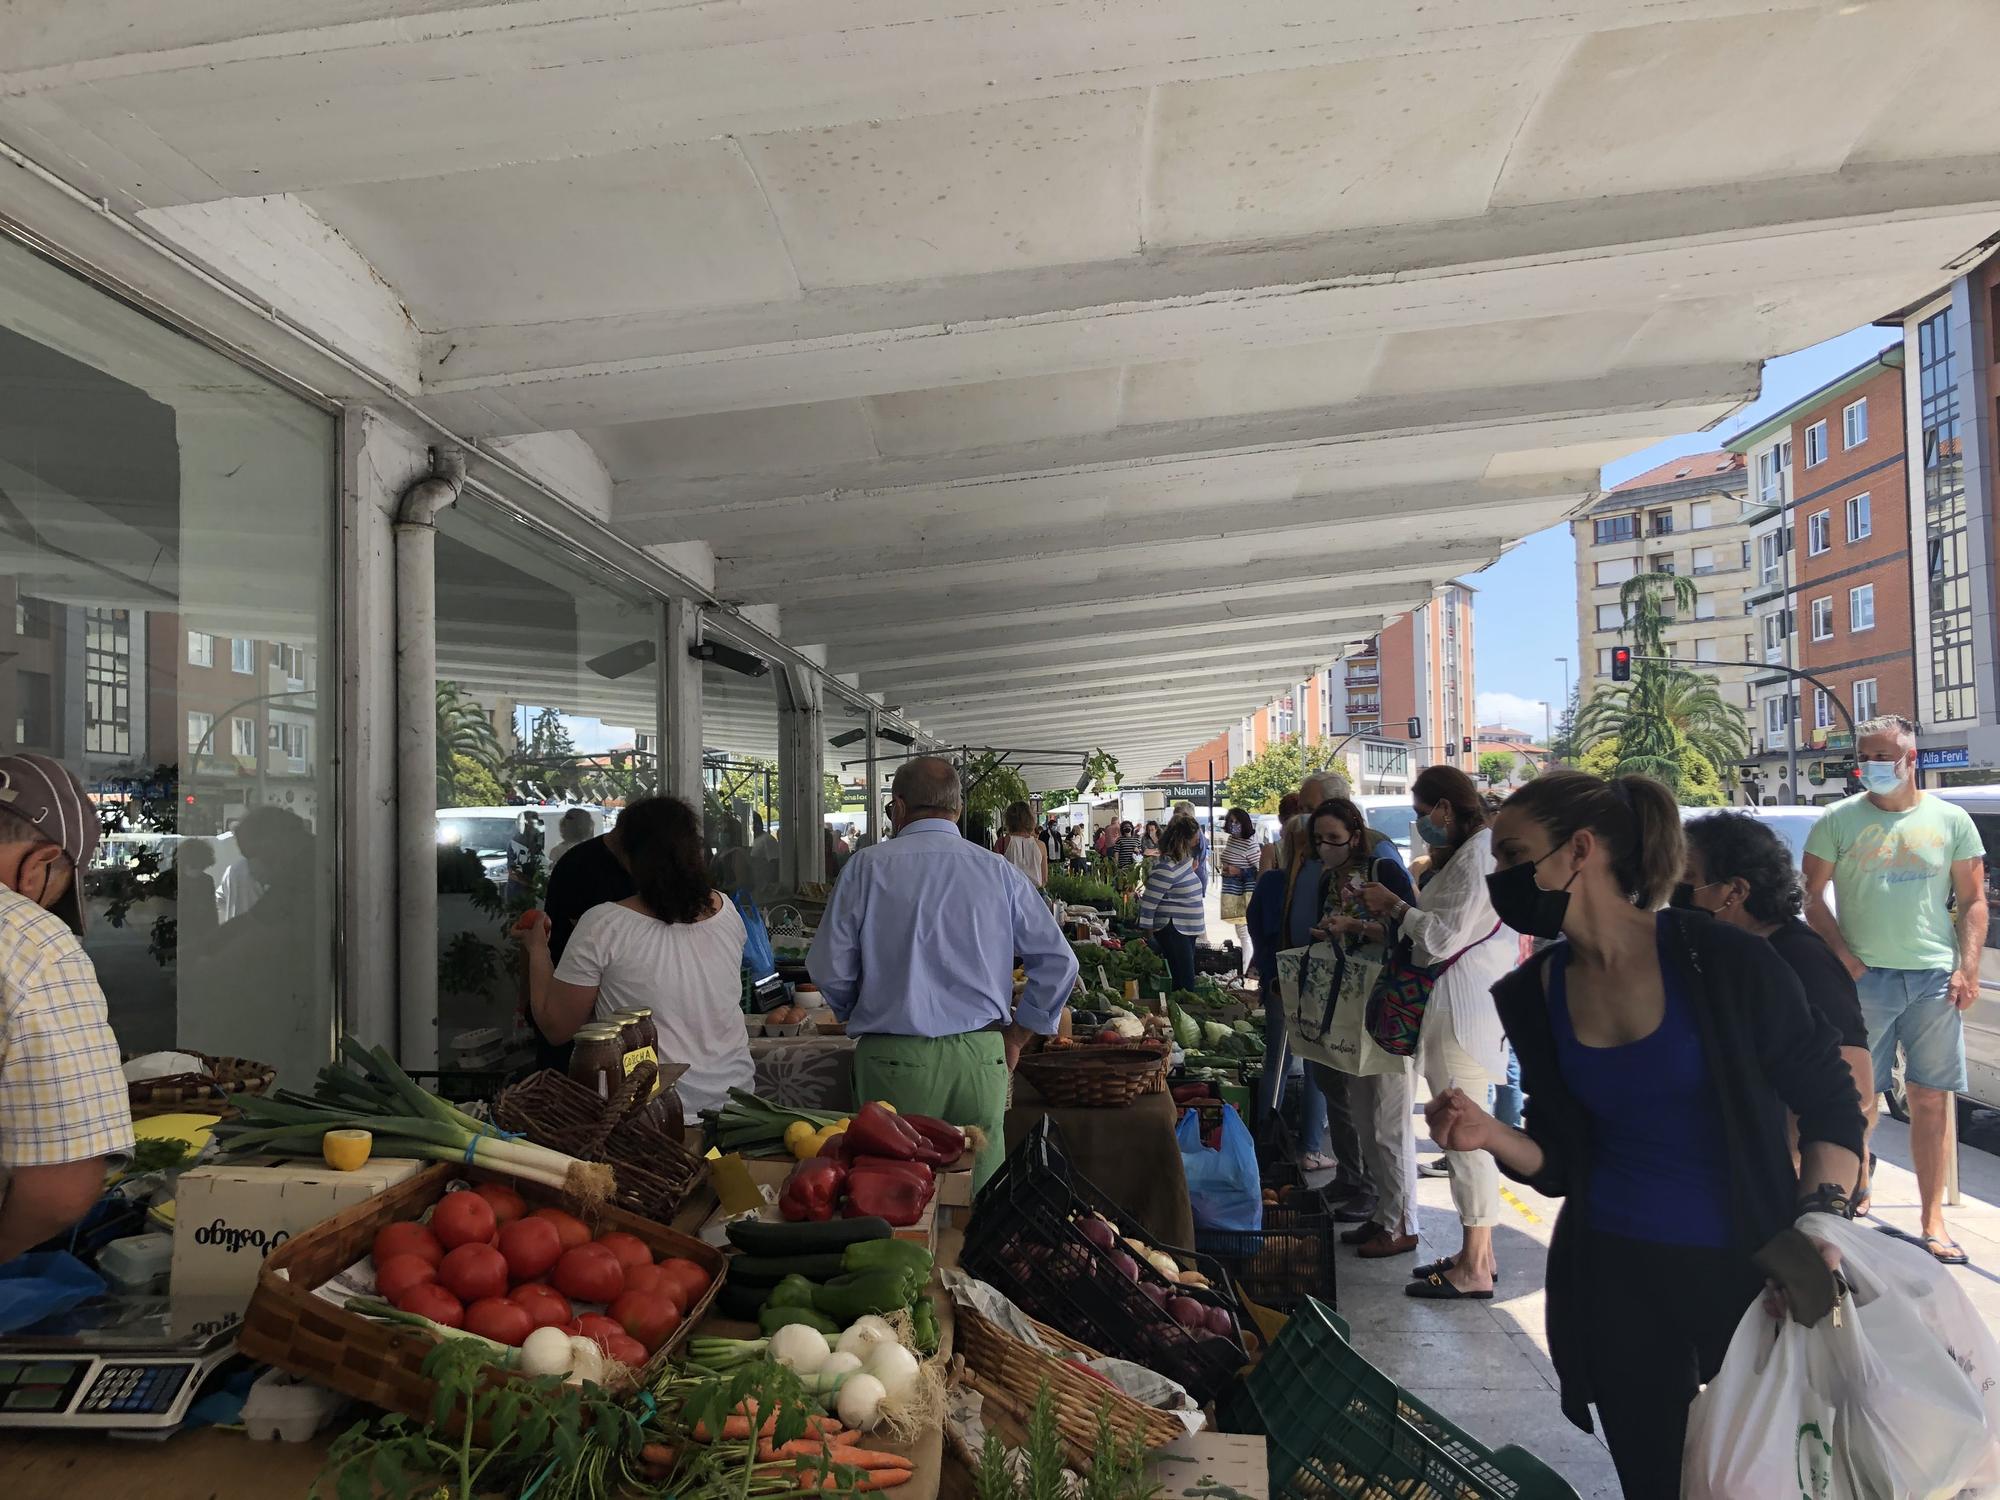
x=680 y=701
x=801 y=755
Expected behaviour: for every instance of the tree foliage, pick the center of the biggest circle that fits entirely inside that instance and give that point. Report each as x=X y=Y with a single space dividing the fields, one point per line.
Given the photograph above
x=463 y=728
x=1259 y=782
x=1496 y=767
x=470 y=784
x=991 y=785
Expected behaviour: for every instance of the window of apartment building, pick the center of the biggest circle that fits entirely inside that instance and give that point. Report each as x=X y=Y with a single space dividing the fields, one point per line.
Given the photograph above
x=201 y=649
x=243 y=738
x=1603 y=661
x=292 y=662
x=1704 y=560
x=1816 y=444
x=1774 y=466
x=1953 y=695
x=1819 y=532
x=1659 y=522
x=1861 y=607
x=1864 y=700
x=1774 y=715
x=1661 y=562
x=1617 y=570
x=1777 y=624
x=1854 y=424
x=1822 y=709
x=107 y=681
x=34 y=711
x=1860 y=522
x=1610 y=617
x=1746 y=555
x=33 y=618
x=1704 y=651
x=1700 y=514
x=199 y=739
x=1822 y=619
x=1704 y=606
x=1770 y=556
x=242 y=656
x=1615 y=529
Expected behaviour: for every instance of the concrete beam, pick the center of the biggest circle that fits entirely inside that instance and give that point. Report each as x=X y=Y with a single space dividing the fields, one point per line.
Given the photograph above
x=1082 y=662
x=1197 y=675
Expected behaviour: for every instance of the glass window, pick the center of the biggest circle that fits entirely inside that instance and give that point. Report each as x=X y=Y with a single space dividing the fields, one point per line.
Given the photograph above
x=243 y=656
x=1822 y=709
x=1610 y=617
x=739 y=759
x=1774 y=631
x=1616 y=571
x=1859 y=521
x=1819 y=532
x=1816 y=444
x=1774 y=714
x=1770 y=556
x=1746 y=556
x=243 y=738
x=1659 y=523
x=1704 y=560
x=1854 y=424
x=1603 y=661
x=1864 y=700
x=1822 y=619
x=211 y=906
x=1704 y=651
x=1952 y=694
x=1704 y=606
x=1774 y=472
x=1616 y=529
x=1701 y=513
x=1861 y=607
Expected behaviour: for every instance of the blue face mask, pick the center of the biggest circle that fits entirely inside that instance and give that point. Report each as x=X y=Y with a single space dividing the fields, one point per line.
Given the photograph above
x=1428 y=832
x=1881 y=777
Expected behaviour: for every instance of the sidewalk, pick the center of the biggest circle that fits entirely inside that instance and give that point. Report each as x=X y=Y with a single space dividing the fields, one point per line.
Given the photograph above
x=1485 y=1365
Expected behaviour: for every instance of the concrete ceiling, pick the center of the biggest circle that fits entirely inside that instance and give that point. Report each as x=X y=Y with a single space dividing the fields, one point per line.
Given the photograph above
x=1070 y=373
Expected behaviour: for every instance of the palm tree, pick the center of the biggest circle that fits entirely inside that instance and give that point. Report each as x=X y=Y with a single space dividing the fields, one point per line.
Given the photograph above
x=1689 y=702
x=463 y=728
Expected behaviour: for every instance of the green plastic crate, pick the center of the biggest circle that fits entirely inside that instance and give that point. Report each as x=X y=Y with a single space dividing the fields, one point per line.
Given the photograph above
x=1335 y=1425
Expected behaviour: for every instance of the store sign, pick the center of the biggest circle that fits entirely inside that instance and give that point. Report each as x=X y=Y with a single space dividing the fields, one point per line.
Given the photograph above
x=1173 y=791
x=1949 y=758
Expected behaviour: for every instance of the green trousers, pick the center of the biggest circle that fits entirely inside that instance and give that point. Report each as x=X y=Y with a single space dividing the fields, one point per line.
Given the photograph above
x=961 y=1080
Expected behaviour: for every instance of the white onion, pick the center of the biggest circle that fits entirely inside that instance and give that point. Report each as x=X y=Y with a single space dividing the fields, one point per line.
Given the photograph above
x=864 y=1334
x=895 y=1367
x=860 y=1402
x=839 y=1364
x=546 y=1351
x=586 y=1361
x=799 y=1347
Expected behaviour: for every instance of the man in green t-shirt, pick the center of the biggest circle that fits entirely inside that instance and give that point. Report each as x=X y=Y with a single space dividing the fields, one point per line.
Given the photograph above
x=1898 y=859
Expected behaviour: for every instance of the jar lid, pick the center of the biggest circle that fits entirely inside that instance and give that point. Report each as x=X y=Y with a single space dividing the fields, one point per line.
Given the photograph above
x=596 y=1031
x=633 y=1015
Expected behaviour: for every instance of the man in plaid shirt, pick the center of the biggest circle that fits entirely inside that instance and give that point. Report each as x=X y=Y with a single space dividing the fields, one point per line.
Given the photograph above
x=63 y=1112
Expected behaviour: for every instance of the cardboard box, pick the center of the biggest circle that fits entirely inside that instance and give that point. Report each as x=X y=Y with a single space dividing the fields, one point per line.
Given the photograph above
x=228 y=1218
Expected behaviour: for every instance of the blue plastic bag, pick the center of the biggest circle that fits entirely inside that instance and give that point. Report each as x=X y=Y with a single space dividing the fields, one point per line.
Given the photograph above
x=43 y=1284
x=757 y=955
x=1223 y=1186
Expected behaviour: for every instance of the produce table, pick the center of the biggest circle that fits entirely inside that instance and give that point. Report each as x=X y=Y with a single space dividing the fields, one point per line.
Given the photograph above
x=1130 y=1153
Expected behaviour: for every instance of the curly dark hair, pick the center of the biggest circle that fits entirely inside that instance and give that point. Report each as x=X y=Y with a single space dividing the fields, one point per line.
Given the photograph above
x=661 y=840
x=1737 y=846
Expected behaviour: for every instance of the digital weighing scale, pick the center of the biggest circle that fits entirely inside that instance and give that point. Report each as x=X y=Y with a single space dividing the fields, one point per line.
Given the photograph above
x=115 y=1362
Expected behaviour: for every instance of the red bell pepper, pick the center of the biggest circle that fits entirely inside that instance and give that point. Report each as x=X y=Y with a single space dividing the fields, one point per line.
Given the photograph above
x=880 y=1132
x=946 y=1141
x=812 y=1191
x=889 y=1189
x=835 y=1149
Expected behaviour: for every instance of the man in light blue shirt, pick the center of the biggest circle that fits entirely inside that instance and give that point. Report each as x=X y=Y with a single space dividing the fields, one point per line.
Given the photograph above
x=916 y=954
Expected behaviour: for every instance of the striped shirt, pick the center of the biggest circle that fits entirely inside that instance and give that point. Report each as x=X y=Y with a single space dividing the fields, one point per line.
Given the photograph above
x=62 y=1092
x=1127 y=848
x=1241 y=852
x=1173 y=898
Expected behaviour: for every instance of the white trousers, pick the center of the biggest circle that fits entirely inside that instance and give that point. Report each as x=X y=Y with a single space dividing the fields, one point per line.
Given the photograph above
x=1475 y=1180
x=1384 y=1106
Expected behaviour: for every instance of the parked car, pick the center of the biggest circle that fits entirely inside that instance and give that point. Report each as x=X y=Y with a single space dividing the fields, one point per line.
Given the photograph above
x=505 y=838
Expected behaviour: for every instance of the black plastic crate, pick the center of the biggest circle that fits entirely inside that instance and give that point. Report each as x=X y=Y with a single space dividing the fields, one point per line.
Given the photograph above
x=1284 y=1263
x=1022 y=1240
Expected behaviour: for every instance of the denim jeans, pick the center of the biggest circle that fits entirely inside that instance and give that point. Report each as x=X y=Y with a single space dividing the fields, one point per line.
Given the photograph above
x=1506 y=1098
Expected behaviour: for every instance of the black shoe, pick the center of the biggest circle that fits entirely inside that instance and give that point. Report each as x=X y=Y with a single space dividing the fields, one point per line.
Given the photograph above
x=1340 y=1192
x=1435 y=1168
x=1356 y=1210
x=1435 y=1288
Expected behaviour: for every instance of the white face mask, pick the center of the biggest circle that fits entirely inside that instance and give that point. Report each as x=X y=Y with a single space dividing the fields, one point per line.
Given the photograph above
x=1882 y=776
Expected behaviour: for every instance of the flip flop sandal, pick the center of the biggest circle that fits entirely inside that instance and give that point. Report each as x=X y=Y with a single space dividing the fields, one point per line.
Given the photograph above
x=1434 y=1287
x=1946 y=1252
x=1439 y=1267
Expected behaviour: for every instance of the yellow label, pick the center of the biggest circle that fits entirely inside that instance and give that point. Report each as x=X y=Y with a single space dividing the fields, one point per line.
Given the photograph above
x=640 y=1055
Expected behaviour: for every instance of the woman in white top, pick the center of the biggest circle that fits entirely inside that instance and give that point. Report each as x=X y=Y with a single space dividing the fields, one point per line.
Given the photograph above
x=1239 y=860
x=1462 y=1042
x=1024 y=851
x=675 y=949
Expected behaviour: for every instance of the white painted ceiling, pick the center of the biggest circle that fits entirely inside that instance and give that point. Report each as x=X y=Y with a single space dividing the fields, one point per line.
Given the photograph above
x=1072 y=371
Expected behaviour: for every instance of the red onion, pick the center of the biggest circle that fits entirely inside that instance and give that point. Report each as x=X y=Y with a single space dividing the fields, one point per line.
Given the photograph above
x=1187 y=1312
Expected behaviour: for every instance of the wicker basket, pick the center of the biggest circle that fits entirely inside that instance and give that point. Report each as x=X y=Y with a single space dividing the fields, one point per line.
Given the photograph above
x=207 y=1092
x=1095 y=1076
x=382 y=1363
x=1000 y=1366
x=655 y=1171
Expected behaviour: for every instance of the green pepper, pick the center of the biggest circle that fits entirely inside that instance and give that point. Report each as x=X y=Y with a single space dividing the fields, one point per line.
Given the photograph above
x=924 y=1325
x=888 y=1255
x=771 y=1319
x=793 y=1291
x=846 y=1298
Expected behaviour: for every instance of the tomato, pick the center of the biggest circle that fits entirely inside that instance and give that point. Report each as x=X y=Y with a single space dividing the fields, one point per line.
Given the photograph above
x=600 y=1329
x=399 y=1273
x=429 y=1300
x=462 y=1219
x=650 y=1317
x=502 y=1321
x=532 y=1247
x=690 y=1281
x=406 y=1239
x=655 y=1279
x=629 y=1248
x=544 y=1304
x=507 y=1205
x=589 y=1273
x=627 y=1351
x=474 y=1271
x=572 y=1230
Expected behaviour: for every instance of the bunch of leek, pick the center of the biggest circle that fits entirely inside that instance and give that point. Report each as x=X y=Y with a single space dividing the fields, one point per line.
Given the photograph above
x=377 y=1095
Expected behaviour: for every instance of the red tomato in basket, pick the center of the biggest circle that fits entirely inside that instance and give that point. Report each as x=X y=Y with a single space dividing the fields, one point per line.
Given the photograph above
x=690 y=1280
x=627 y=1351
x=650 y=1317
x=602 y=1330
x=532 y=1248
x=572 y=1230
x=473 y=1272
x=507 y=1204
x=429 y=1300
x=399 y=1273
x=410 y=1238
x=502 y=1321
x=548 y=1307
x=651 y=1278
x=629 y=1248
x=589 y=1273
x=462 y=1219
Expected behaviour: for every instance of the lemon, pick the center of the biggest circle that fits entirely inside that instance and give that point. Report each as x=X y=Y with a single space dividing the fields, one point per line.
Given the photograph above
x=346 y=1150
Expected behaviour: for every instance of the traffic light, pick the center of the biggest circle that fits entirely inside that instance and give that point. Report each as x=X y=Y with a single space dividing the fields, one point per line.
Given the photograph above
x=1416 y=729
x=1467 y=745
x=1621 y=663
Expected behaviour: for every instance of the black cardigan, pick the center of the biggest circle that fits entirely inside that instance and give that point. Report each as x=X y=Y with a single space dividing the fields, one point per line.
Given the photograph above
x=1765 y=1049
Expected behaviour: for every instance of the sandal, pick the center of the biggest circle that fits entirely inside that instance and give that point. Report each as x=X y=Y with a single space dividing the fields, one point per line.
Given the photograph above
x=1318 y=1161
x=1946 y=1252
x=1439 y=1267
x=1436 y=1287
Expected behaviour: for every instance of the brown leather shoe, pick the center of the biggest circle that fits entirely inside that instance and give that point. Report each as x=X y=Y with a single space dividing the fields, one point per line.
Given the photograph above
x=1385 y=1244
x=1361 y=1234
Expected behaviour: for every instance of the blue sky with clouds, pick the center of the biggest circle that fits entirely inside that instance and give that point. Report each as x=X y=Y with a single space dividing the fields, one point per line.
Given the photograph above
x=1525 y=616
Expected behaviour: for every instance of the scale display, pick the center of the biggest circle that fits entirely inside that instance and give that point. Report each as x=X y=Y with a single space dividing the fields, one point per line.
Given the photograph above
x=133 y=1362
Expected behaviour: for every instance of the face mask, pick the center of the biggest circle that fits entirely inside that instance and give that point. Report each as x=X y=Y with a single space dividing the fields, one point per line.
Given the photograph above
x=1523 y=905
x=1881 y=777
x=1683 y=896
x=1429 y=832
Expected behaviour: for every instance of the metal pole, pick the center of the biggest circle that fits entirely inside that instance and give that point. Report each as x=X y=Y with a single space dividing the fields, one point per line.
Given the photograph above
x=1788 y=618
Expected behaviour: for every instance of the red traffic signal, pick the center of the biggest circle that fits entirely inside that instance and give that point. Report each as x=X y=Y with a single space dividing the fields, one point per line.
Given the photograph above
x=1621 y=663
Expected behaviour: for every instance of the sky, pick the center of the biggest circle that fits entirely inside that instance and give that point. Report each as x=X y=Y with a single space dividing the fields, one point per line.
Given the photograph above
x=1525 y=615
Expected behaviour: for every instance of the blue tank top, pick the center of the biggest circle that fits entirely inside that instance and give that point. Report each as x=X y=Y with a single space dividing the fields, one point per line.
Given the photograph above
x=1659 y=1167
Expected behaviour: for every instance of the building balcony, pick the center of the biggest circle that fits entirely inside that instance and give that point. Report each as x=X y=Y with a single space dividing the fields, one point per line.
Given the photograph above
x=1365 y=677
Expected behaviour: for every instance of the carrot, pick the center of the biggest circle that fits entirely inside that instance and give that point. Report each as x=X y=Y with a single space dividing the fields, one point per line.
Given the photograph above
x=656 y=1453
x=841 y=1453
x=732 y=1427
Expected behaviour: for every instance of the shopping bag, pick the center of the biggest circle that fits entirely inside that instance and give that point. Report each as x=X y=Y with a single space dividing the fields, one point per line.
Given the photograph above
x=1759 y=1431
x=1326 y=1003
x=757 y=956
x=1224 y=1189
x=42 y=1283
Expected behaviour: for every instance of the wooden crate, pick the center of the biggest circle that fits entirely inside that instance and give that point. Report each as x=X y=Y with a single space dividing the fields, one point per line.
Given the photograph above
x=289 y=1326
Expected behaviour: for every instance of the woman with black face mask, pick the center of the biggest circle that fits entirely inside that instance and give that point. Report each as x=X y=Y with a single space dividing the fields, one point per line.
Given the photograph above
x=1659 y=1050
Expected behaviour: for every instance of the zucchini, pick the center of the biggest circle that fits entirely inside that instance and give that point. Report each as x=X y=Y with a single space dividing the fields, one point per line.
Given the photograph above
x=742 y=1303
x=769 y=1270
x=760 y=1237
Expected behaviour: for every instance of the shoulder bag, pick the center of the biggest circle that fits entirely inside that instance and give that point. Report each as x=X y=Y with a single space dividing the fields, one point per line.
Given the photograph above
x=1397 y=1004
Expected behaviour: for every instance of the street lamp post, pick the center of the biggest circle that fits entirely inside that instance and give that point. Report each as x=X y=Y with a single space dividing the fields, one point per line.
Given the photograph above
x=1565 y=666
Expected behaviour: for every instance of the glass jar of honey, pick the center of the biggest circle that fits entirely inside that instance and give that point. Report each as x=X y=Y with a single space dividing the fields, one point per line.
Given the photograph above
x=597 y=1058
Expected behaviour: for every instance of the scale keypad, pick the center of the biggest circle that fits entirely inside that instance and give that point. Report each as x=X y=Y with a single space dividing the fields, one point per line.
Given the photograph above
x=132 y=1390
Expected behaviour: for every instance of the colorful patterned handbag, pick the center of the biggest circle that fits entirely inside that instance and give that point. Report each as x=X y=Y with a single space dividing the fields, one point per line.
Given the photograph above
x=1397 y=1004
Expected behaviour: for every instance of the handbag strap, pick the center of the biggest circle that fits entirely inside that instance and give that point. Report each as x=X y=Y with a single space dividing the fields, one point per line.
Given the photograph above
x=1438 y=972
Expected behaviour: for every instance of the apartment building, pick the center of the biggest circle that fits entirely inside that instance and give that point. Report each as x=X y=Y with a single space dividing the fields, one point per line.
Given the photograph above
x=1830 y=538
x=1687 y=517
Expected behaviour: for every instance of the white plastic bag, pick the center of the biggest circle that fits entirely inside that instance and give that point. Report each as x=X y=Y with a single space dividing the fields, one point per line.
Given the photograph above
x=1758 y=1431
